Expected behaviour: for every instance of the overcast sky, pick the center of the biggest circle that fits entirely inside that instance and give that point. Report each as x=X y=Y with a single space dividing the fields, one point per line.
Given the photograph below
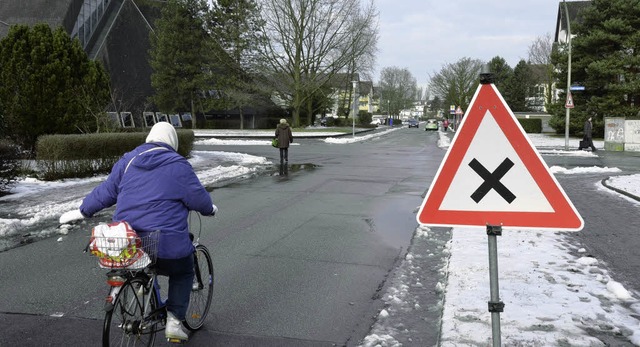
x=425 y=35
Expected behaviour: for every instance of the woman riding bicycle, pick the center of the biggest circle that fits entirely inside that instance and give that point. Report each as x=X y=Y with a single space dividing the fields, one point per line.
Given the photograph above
x=154 y=188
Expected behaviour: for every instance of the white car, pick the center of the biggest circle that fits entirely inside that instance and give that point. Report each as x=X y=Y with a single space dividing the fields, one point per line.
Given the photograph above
x=376 y=122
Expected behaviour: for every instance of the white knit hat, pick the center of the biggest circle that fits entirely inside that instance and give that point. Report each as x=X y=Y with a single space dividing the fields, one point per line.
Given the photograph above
x=165 y=133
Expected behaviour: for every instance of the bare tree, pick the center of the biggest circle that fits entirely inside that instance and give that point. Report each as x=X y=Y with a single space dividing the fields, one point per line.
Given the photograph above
x=398 y=87
x=310 y=41
x=361 y=49
x=540 y=57
x=456 y=83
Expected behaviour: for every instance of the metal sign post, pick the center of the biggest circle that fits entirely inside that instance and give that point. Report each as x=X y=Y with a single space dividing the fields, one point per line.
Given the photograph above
x=495 y=305
x=458 y=118
x=568 y=109
x=355 y=106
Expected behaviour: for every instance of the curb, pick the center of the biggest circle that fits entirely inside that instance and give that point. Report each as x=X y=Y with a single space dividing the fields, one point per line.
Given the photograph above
x=625 y=193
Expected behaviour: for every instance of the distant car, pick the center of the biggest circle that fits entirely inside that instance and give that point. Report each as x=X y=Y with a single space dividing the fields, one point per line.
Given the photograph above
x=432 y=124
x=377 y=121
x=412 y=123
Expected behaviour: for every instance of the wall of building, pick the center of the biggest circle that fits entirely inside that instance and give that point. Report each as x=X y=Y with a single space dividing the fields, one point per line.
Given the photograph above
x=621 y=134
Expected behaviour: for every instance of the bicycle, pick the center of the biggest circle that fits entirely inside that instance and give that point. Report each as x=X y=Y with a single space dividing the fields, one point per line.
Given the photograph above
x=134 y=309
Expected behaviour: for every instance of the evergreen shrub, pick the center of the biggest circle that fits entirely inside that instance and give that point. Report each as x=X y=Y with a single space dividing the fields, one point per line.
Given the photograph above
x=531 y=125
x=9 y=165
x=364 y=118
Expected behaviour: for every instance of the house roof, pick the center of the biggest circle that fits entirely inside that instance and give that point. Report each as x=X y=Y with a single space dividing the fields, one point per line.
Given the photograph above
x=31 y=12
x=575 y=9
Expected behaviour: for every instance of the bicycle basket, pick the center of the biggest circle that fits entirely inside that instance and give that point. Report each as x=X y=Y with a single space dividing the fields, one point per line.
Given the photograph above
x=118 y=246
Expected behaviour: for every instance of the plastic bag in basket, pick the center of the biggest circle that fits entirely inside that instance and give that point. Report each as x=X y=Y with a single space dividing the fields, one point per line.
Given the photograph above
x=117 y=246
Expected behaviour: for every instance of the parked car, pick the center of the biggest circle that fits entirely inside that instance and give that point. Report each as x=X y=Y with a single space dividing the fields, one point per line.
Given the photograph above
x=376 y=121
x=413 y=123
x=432 y=124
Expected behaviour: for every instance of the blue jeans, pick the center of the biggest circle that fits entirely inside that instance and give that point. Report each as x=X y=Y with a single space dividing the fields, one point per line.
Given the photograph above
x=181 y=274
x=284 y=154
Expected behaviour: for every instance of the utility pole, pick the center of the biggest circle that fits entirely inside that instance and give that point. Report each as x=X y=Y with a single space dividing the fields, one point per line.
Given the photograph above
x=568 y=90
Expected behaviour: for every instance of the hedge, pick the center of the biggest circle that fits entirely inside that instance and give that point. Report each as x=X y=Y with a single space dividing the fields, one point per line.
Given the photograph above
x=67 y=156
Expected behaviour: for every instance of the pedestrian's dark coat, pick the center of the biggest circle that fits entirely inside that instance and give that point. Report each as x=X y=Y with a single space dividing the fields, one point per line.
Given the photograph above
x=588 y=129
x=283 y=133
x=587 y=140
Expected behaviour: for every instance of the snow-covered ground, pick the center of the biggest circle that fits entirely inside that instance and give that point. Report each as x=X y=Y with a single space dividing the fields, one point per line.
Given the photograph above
x=551 y=296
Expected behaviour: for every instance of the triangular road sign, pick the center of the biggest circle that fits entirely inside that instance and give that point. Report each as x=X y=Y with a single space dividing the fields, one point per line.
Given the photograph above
x=492 y=174
x=569 y=103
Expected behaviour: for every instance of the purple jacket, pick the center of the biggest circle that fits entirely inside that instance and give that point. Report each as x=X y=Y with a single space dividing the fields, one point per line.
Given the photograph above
x=156 y=192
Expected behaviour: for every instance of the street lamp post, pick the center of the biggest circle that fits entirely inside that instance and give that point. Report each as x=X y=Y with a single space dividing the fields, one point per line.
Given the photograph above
x=355 y=106
x=568 y=109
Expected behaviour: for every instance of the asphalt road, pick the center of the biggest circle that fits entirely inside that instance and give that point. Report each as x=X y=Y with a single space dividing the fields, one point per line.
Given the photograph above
x=612 y=222
x=300 y=259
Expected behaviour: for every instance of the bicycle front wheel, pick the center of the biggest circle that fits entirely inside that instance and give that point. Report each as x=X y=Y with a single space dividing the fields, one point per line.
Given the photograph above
x=126 y=323
x=202 y=289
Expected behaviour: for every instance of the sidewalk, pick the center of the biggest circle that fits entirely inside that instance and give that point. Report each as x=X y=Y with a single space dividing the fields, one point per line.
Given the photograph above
x=260 y=133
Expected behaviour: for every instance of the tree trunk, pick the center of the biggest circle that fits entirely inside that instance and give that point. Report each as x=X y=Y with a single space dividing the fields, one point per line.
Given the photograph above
x=296 y=117
x=296 y=109
x=193 y=114
x=310 y=116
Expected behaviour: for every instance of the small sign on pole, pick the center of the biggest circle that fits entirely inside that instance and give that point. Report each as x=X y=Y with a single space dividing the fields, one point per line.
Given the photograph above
x=569 y=103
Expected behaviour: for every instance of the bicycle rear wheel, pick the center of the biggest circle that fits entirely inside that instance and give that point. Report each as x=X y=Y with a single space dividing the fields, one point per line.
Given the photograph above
x=125 y=324
x=202 y=290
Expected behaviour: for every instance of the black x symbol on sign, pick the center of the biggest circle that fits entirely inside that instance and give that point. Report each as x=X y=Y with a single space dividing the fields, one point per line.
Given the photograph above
x=492 y=180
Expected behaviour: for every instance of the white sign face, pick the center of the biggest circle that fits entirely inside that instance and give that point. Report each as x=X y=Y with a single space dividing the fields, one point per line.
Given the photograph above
x=490 y=149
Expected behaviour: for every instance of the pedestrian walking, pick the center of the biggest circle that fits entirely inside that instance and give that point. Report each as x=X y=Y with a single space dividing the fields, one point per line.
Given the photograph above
x=284 y=136
x=587 y=138
x=445 y=124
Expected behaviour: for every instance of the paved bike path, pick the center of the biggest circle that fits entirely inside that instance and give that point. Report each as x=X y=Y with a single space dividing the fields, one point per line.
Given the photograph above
x=17 y=330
